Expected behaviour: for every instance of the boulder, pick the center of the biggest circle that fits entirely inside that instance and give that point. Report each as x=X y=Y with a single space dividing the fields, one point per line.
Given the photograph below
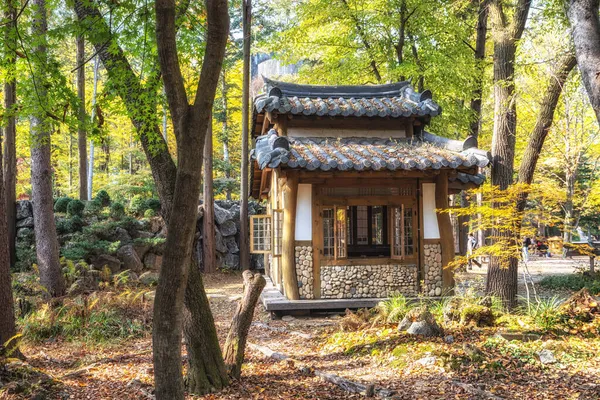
x=232 y=261
x=25 y=223
x=138 y=234
x=130 y=259
x=83 y=284
x=228 y=228
x=152 y=262
x=220 y=244
x=546 y=356
x=121 y=235
x=221 y=215
x=24 y=209
x=156 y=224
x=232 y=245
x=141 y=248
x=105 y=260
x=149 y=278
x=420 y=321
x=25 y=233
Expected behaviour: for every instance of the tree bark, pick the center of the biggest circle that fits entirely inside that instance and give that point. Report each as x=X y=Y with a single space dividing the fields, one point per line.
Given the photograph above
x=41 y=170
x=480 y=39
x=209 y=247
x=244 y=228
x=10 y=130
x=81 y=129
x=446 y=235
x=543 y=124
x=225 y=134
x=585 y=29
x=502 y=274
x=190 y=123
x=235 y=344
x=288 y=260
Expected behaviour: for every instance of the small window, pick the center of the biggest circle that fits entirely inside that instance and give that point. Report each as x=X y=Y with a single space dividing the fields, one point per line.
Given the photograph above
x=260 y=234
x=335 y=232
x=277 y=232
x=402 y=232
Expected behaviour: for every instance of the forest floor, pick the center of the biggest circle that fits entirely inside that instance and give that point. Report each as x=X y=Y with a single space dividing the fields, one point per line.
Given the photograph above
x=415 y=368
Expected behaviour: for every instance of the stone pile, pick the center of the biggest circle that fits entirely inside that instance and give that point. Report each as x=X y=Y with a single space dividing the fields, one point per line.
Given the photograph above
x=367 y=281
x=433 y=269
x=304 y=271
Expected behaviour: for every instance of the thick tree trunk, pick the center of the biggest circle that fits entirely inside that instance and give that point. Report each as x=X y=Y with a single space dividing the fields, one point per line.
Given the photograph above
x=244 y=228
x=81 y=129
x=446 y=235
x=502 y=273
x=235 y=345
x=41 y=169
x=10 y=130
x=543 y=124
x=209 y=246
x=585 y=28
x=288 y=244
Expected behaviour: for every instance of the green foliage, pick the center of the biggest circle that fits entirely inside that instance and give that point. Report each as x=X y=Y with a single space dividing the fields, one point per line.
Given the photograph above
x=137 y=205
x=61 y=204
x=26 y=256
x=545 y=313
x=69 y=225
x=149 y=213
x=93 y=207
x=573 y=282
x=103 y=198
x=393 y=309
x=83 y=246
x=153 y=204
x=75 y=208
x=117 y=211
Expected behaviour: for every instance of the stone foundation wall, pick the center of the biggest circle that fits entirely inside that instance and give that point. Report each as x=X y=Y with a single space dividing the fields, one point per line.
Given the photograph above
x=433 y=269
x=304 y=271
x=356 y=281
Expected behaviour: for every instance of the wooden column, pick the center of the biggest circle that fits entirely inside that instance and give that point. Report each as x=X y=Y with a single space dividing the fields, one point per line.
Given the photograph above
x=288 y=250
x=317 y=240
x=446 y=234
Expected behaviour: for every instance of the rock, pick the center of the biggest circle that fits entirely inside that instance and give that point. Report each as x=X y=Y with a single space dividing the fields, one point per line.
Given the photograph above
x=220 y=245
x=546 y=356
x=149 y=278
x=143 y=235
x=232 y=245
x=228 y=228
x=287 y=318
x=232 y=261
x=221 y=215
x=156 y=224
x=419 y=321
x=24 y=233
x=24 y=209
x=122 y=236
x=424 y=329
x=129 y=276
x=438 y=291
x=83 y=284
x=152 y=262
x=113 y=263
x=427 y=361
x=130 y=259
x=25 y=223
x=449 y=339
x=141 y=248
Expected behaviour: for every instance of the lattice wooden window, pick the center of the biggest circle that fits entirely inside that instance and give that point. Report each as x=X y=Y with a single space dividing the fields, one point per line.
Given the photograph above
x=403 y=243
x=277 y=232
x=335 y=232
x=260 y=234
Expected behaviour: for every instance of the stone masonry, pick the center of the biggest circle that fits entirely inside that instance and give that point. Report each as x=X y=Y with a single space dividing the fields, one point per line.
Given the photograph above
x=433 y=269
x=356 y=281
x=304 y=271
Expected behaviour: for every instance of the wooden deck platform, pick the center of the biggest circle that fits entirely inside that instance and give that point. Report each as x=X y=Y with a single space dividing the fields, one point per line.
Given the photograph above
x=274 y=301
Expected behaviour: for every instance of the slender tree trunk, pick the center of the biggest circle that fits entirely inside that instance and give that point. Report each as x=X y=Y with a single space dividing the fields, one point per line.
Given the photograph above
x=208 y=234
x=244 y=225
x=90 y=174
x=585 y=29
x=225 y=133
x=502 y=274
x=190 y=124
x=10 y=130
x=81 y=129
x=570 y=179
x=480 y=40
x=41 y=170
x=235 y=344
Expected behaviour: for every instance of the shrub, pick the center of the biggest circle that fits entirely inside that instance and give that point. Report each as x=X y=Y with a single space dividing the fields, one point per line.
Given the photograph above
x=137 y=205
x=153 y=204
x=393 y=309
x=149 y=213
x=93 y=207
x=75 y=208
x=69 y=225
x=26 y=256
x=573 y=282
x=61 y=204
x=545 y=313
x=117 y=211
x=103 y=198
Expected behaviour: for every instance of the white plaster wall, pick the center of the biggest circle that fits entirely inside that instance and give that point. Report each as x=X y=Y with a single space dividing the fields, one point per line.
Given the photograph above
x=304 y=212
x=430 y=222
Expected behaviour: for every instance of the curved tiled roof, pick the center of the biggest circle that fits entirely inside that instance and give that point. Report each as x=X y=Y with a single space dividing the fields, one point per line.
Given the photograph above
x=391 y=100
x=360 y=153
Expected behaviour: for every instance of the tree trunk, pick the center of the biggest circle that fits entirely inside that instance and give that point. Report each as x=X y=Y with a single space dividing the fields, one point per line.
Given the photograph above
x=288 y=245
x=226 y=136
x=190 y=123
x=209 y=247
x=446 y=235
x=81 y=129
x=90 y=173
x=502 y=274
x=244 y=228
x=480 y=39
x=235 y=344
x=543 y=124
x=585 y=28
x=41 y=170
x=7 y=311
x=10 y=130
x=570 y=179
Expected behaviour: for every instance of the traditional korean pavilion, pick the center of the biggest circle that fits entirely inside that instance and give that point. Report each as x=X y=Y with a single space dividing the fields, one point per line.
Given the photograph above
x=352 y=182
